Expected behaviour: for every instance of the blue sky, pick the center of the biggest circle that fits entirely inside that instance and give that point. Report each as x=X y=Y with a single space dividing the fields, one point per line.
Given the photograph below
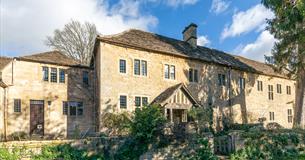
x=234 y=26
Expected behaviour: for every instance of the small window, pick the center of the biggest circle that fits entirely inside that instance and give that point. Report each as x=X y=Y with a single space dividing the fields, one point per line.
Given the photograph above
x=221 y=80
x=166 y=71
x=123 y=101
x=271 y=116
x=172 y=72
x=137 y=67
x=279 y=88
x=137 y=101
x=122 y=66
x=270 y=92
x=54 y=75
x=73 y=108
x=144 y=67
x=196 y=75
x=62 y=77
x=144 y=101
x=86 y=78
x=289 y=112
x=45 y=73
x=65 y=108
x=288 y=88
x=17 y=105
x=260 y=85
x=191 y=75
x=242 y=83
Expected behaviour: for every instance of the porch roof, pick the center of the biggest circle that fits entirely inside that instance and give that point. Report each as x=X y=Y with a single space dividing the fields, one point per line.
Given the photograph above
x=163 y=98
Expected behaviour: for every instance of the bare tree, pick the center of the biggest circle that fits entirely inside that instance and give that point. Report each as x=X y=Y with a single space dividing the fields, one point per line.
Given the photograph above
x=76 y=40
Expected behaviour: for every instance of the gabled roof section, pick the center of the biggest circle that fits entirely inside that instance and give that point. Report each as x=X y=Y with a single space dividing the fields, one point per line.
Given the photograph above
x=151 y=42
x=166 y=95
x=52 y=57
x=4 y=61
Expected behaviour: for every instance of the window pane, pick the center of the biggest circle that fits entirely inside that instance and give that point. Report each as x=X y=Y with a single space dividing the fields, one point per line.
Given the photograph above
x=138 y=101
x=72 y=110
x=219 y=80
x=196 y=75
x=223 y=80
x=122 y=66
x=45 y=73
x=53 y=74
x=144 y=101
x=137 y=67
x=65 y=108
x=172 y=72
x=80 y=108
x=144 y=68
x=17 y=105
x=191 y=75
x=166 y=71
x=61 y=76
x=123 y=101
x=86 y=78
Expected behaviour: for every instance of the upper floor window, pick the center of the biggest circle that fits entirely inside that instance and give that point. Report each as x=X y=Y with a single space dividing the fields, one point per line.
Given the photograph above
x=193 y=75
x=288 y=88
x=17 y=105
x=72 y=108
x=45 y=73
x=144 y=67
x=123 y=101
x=221 y=79
x=260 y=85
x=140 y=67
x=270 y=92
x=169 y=71
x=122 y=66
x=62 y=77
x=279 y=88
x=271 y=116
x=54 y=75
x=86 y=78
x=242 y=83
x=289 y=112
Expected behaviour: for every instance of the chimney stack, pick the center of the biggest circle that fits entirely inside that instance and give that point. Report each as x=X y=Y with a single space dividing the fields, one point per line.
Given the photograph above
x=190 y=34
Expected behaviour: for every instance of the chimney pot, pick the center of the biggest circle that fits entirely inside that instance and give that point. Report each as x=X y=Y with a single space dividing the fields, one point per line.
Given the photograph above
x=190 y=34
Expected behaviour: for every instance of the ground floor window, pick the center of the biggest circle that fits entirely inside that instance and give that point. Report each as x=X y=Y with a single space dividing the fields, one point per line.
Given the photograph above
x=289 y=115
x=17 y=105
x=271 y=116
x=73 y=108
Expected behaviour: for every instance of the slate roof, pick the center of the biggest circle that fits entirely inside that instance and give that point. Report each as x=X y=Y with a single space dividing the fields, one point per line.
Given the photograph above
x=165 y=95
x=4 y=61
x=147 y=41
x=51 y=57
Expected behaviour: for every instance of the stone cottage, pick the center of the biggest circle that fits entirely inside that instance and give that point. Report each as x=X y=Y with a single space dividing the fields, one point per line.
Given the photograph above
x=51 y=95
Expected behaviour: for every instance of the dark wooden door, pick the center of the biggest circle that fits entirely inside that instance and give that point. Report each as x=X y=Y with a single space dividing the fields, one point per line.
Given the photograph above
x=37 y=117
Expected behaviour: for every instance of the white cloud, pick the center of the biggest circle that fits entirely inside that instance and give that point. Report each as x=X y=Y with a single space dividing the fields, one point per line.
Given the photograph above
x=203 y=41
x=176 y=3
x=256 y=50
x=25 y=24
x=246 y=21
x=219 y=6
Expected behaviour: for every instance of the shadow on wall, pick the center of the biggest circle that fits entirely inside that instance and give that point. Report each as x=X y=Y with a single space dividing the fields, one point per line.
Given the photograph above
x=83 y=122
x=211 y=94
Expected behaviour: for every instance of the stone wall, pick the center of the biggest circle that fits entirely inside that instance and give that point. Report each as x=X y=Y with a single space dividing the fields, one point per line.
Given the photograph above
x=228 y=102
x=27 y=84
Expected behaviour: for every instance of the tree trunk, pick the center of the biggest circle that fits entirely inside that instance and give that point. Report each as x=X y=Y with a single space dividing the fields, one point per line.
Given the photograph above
x=299 y=118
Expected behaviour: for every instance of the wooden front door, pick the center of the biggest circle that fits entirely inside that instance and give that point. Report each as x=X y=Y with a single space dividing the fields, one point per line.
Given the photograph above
x=37 y=117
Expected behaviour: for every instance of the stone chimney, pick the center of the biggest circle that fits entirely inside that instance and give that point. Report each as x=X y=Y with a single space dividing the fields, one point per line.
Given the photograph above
x=190 y=34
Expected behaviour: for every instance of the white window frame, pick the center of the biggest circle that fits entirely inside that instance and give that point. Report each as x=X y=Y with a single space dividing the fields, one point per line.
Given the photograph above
x=169 y=71
x=126 y=68
x=119 y=101
x=140 y=71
